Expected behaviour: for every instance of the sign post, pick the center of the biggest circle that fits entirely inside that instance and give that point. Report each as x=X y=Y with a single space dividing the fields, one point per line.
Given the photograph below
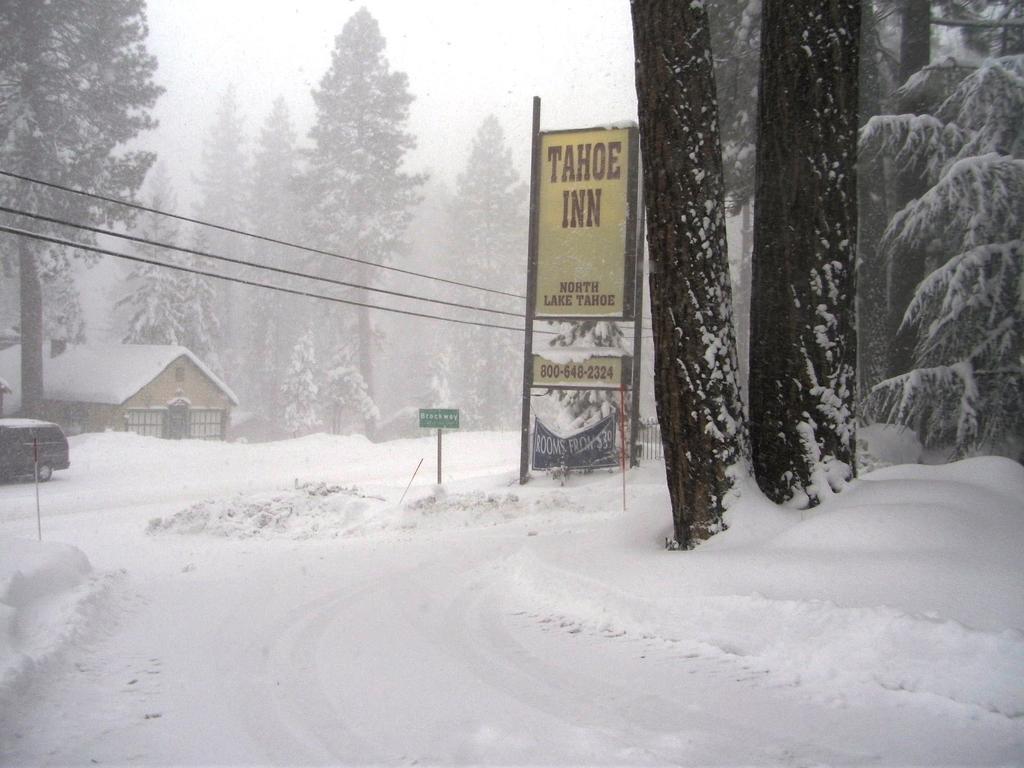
x=531 y=296
x=35 y=462
x=440 y=419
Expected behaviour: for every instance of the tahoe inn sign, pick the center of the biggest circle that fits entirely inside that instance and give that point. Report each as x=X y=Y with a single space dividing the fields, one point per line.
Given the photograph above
x=586 y=236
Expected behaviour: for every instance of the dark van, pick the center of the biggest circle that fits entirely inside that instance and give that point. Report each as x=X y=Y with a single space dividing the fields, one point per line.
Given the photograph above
x=17 y=438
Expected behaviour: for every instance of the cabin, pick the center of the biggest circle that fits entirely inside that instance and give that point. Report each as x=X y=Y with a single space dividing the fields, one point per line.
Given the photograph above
x=152 y=389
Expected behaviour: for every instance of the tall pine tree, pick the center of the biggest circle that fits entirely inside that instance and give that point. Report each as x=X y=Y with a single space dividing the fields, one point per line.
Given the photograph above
x=276 y=318
x=487 y=223
x=223 y=182
x=155 y=294
x=803 y=342
x=77 y=86
x=200 y=320
x=358 y=197
x=299 y=388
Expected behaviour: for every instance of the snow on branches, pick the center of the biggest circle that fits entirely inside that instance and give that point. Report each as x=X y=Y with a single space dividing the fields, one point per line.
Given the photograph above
x=912 y=142
x=969 y=383
x=990 y=104
x=979 y=200
x=300 y=389
x=967 y=316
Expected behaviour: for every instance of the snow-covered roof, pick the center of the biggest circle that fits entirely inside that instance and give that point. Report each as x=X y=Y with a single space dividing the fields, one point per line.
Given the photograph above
x=103 y=373
x=22 y=423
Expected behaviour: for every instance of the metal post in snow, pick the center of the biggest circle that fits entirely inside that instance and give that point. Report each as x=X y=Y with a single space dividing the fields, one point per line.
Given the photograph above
x=438 y=455
x=622 y=439
x=35 y=462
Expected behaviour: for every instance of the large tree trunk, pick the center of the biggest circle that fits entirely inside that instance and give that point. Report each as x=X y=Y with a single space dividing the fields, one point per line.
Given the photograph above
x=906 y=271
x=915 y=37
x=365 y=343
x=31 y=331
x=696 y=382
x=803 y=343
x=874 y=336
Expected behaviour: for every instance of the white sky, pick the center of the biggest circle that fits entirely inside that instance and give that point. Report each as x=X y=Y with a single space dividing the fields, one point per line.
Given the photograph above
x=464 y=59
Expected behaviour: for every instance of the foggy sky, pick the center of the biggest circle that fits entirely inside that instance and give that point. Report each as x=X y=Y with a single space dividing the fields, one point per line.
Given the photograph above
x=464 y=59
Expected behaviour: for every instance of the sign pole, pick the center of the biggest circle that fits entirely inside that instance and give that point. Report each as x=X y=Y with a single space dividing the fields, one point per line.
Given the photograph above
x=35 y=461
x=531 y=295
x=442 y=419
x=438 y=456
x=638 y=325
x=622 y=439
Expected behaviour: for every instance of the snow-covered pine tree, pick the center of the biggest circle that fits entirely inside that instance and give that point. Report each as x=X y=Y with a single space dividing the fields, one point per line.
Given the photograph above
x=155 y=294
x=77 y=86
x=487 y=224
x=200 y=322
x=971 y=29
x=439 y=387
x=966 y=379
x=156 y=306
x=803 y=341
x=277 y=318
x=695 y=372
x=64 y=317
x=223 y=183
x=299 y=389
x=345 y=396
x=358 y=198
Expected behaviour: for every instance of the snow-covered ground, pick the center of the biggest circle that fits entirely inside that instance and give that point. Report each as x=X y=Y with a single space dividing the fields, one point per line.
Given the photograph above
x=207 y=603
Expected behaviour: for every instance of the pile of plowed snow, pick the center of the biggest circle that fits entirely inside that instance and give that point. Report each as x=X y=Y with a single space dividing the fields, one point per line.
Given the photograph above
x=321 y=510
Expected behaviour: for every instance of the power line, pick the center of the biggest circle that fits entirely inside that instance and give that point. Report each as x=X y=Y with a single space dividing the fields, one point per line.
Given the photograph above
x=243 y=262
x=263 y=238
x=293 y=291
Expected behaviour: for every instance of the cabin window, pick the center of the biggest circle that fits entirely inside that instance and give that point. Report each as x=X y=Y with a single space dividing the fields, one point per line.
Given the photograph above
x=148 y=423
x=206 y=424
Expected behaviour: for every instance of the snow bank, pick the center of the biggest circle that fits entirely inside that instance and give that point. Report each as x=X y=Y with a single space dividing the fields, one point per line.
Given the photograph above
x=321 y=510
x=908 y=582
x=307 y=511
x=842 y=654
x=882 y=445
x=48 y=595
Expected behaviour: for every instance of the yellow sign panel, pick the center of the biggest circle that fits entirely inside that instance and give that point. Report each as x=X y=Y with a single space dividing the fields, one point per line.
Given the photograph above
x=586 y=248
x=591 y=373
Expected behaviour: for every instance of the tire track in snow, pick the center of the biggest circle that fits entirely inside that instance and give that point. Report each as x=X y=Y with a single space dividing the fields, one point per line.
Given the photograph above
x=282 y=666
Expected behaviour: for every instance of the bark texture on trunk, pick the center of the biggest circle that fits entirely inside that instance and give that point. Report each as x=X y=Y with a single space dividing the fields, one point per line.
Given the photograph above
x=31 y=331
x=696 y=378
x=803 y=342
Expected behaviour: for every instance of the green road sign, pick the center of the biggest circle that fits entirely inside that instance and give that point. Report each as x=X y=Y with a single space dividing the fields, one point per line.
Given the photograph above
x=439 y=418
